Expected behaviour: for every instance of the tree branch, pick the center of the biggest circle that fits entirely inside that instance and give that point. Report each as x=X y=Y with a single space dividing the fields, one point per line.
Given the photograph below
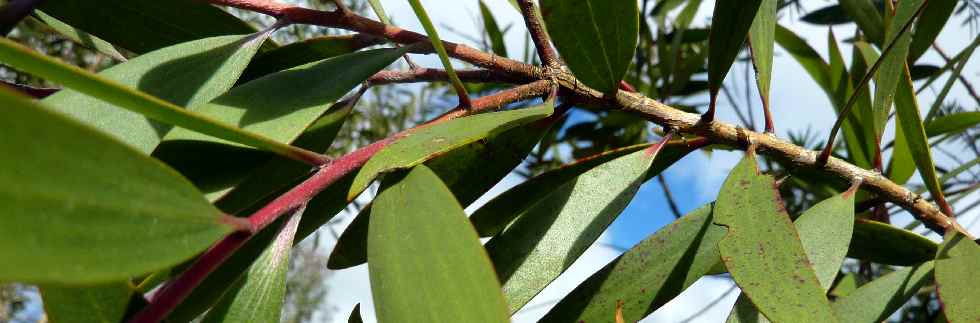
x=431 y=74
x=538 y=34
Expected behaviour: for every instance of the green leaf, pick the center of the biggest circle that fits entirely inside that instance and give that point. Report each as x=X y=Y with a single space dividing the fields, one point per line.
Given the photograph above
x=145 y=25
x=908 y=118
x=762 y=42
x=730 y=26
x=825 y=231
x=493 y=30
x=463 y=170
x=80 y=196
x=901 y=167
x=303 y=52
x=885 y=244
x=496 y=214
x=860 y=149
x=596 y=38
x=80 y=37
x=867 y=17
x=829 y=15
x=928 y=26
x=183 y=74
x=952 y=123
x=259 y=294
x=119 y=94
x=459 y=283
x=845 y=285
x=104 y=303
x=889 y=74
x=956 y=277
x=556 y=229
x=280 y=105
x=416 y=146
x=762 y=250
x=806 y=56
x=433 y=34
x=877 y=300
x=648 y=275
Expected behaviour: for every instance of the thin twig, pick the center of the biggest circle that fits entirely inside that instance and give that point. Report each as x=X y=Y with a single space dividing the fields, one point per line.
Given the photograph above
x=670 y=197
x=538 y=34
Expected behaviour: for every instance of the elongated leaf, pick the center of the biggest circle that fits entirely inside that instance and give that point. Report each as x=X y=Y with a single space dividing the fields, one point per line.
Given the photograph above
x=104 y=303
x=497 y=213
x=79 y=196
x=424 y=143
x=540 y=245
x=259 y=294
x=901 y=167
x=596 y=38
x=184 y=75
x=433 y=33
x=418 y=231
x=889 y=74
x=762 y=41
x=493 y=30
x=730 y=24
x=825 y=231
x=877 y=300
x=806 y=56
x=303 y=52
x=867 y=17
x=136 y=101
x=648 y=275
x=279 y=106
x=885 y=244
x=860 y=149
x=956 y=276
x=146 y=25
x=762 y=250
x=829 y=15
x=80 y=37
x=952 y=123
x=908 y=118
x=463 y=170
x=928 y=26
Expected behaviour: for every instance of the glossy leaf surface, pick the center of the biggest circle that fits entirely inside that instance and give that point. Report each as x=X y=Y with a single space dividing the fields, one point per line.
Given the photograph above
x=459 y=283
x=596 y=38
x=75 y=208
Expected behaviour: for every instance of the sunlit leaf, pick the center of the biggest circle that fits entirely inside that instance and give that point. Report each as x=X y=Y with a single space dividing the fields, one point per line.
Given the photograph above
x=78 y=198
x=596 y=38
x=730 y=24
x=928 y=26
x=877 y=300
x=302 y=52
x=956 y=276
x=889 y=74
x=423 y=143
x=867 y=16
x=908 y=118
x=427 y=264
x=952 y=123
x=761 y=40
x=762 y=250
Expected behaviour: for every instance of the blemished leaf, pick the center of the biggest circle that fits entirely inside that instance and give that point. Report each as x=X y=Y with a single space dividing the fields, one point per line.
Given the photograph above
x=80 y=37
x=415 y=147
x=302 y=52
x=184 y=74
x=103 y=303
x=762 y=250
x=952 y=123
x=956 y=277
x=280 y=105
x=877 y=300
x=885 y=244
x=867 y=17
x=890 y=72
x=825 y=231
x=928 y=26
x=829 y=15
x=762 y=41
x=496 y=214
x=259 y=294
x=142 y=26
x=463 y=170
x=730 y=26
x=123 y=96
x=648 y=275
x=418 y=230
x=78 y=198
x=493 y=30
x=596 y=38
x=806 y=56
x=556 y=229
x=907 y=117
